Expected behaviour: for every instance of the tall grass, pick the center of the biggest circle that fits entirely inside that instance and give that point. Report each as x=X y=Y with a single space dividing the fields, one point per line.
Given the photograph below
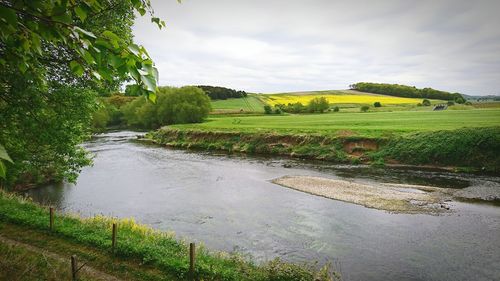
x=153 y=247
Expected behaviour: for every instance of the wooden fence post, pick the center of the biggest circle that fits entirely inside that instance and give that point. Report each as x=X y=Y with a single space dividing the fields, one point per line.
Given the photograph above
x=74 y=269
x=192 y=257
x=51 y=212
x=113 y=238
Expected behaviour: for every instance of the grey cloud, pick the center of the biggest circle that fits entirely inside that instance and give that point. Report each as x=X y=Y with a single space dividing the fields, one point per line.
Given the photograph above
x=276 y=46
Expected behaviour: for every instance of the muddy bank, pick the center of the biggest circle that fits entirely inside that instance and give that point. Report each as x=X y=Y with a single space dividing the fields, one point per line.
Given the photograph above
x=472 y=150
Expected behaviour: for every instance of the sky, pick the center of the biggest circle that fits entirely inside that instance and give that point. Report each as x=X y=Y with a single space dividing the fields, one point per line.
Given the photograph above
x=270 y=46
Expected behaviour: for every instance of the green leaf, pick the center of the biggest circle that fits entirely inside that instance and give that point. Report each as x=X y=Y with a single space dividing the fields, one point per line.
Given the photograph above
x=85 y=32
x=104 y=43
x=116 y=61
x=36 y=43
x=113 y=38
x=134 y=73
x=64 y=18
x=9 y=16
x=3 y=170
x=81 y=13
x=76 y=68
x=134 y=49
x=4 y=155
x=149 y=81
x=96 y=75
x=87 y=56
x=152 y=97
x=105 y=74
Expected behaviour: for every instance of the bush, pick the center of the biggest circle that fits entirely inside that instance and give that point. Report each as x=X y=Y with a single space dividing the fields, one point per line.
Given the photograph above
x=336 y=109
x=468 y=103
x=268 y=109
x=277 y=110
x=364 y=108
x=173 y=106
x=318 y=104
x=450 y=103
x=377 y=104
x=426 y=102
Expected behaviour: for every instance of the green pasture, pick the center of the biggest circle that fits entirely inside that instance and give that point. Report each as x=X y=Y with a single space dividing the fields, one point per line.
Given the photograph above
x=249 y=104
x=357 y=123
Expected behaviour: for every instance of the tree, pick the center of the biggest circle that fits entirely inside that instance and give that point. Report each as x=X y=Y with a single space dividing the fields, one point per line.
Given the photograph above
x=336 y=109
x=55 y=56
x=426 y=102
x=318 y=104
x=173 y=106
x=377 y=104
x=268 y=109
x=67 y=34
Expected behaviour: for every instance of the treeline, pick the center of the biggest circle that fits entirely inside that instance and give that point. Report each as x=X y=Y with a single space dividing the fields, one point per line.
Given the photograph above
x=221 y=93
x=406 y=91
x=173 y=106
x=316 y=105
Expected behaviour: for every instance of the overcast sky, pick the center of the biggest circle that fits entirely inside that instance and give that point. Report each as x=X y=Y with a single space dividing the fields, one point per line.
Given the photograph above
x=276 y=46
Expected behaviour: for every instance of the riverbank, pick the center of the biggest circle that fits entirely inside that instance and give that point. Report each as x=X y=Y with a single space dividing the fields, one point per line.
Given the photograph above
x=147 y=249
x=465 y=149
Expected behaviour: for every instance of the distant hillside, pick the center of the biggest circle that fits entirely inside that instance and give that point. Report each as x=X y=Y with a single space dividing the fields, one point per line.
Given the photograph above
x=406 y=91
x=482 y=98
x=221 y=93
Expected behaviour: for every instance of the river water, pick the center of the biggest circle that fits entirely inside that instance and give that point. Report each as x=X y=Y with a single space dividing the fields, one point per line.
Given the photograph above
x=229 y=203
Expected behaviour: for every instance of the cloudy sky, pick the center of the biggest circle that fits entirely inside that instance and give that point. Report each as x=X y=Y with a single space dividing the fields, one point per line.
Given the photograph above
x=290 y=45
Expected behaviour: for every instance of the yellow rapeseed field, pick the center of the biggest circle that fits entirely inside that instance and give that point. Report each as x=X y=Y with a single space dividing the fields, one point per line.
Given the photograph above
x=337 y=99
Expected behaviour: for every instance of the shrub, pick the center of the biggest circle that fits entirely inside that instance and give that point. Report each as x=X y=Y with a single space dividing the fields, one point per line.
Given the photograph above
x=268 y=109
x=450 y=103
x=419 y=104
x=336 y=109
x=318 y=104
x=377 y=104
x=277 y=110
x=364 y=108
x=468 y=103
x=173 y=106
x=426 y=102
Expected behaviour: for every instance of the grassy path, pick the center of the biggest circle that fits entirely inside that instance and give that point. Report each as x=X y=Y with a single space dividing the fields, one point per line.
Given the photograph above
x=27 y=254
x=16 y=252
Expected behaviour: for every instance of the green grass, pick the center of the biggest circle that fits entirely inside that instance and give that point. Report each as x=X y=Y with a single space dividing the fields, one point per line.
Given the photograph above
x=151 y=247
x=370 y=124
x=249 y=104
x=22 y=264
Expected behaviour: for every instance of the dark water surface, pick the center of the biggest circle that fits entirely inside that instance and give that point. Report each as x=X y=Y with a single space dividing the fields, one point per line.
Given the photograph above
x=228 y=203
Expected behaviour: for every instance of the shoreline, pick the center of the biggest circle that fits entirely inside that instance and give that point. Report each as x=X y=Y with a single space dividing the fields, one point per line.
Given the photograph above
x=423 y=150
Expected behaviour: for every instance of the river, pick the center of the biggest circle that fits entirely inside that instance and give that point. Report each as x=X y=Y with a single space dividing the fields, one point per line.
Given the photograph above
x=228 y=203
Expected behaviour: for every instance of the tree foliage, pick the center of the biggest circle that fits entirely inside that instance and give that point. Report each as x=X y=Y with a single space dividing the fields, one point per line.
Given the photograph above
x=55 y=56
x=75 y=34
x=221 y=93
x=318 y=104
x=174 y=106
x=406 y=91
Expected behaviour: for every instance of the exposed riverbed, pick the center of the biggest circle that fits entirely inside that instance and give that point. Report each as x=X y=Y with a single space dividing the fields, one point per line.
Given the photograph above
x=230 y=203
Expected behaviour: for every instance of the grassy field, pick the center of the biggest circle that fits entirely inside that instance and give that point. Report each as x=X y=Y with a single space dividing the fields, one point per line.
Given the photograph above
x=364 y=124
x=339 y=97
x=251 y=103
